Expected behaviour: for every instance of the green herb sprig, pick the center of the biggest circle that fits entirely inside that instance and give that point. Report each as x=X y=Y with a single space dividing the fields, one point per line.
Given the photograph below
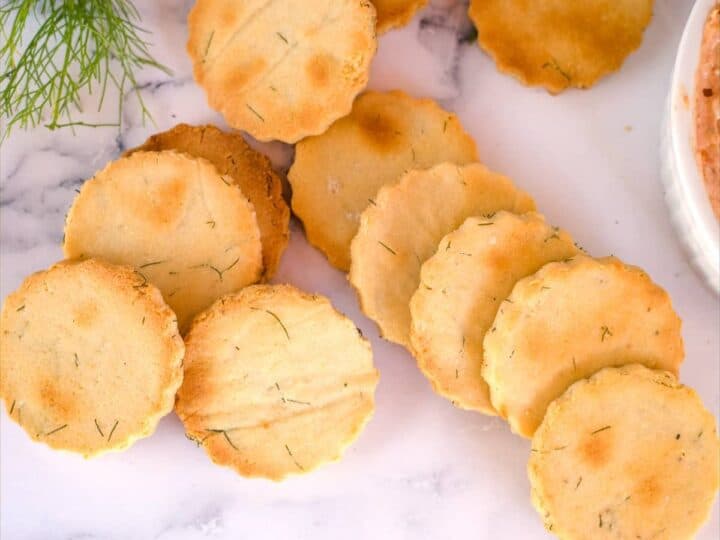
x=75 y=47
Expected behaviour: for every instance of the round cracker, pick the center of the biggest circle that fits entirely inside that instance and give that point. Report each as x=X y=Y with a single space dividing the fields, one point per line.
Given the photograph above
x=461 y=288
x=336 y=175
x=186 y=228
x=404 y=227
x=91 y=357
x=277 y=382
x=251 y=170
x=566 y=322
x=395 y=13
x=628 y=453
x=556 y=43
x=282 y=70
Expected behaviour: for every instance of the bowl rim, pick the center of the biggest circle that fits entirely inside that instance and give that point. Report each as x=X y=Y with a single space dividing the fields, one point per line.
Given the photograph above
x=682 y=120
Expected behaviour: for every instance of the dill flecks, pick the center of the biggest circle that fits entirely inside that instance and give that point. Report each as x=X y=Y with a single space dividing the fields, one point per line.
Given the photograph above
x=604 y=332
x=77 y=360
x=154 y=263
x=219 y=272
x=21 y=308
x=287 y=335
x=76 y=47
x=293 y=458
x=56 y=430
x=391 y=250
x=198 y=442
x=12 y=408
x=144 y=282
x=554 y=65
x=255 y=112
x=225 y=435
x=99 y=429
x=282 y=37
x=227 y=438
x=207 y=46
x=113 y=430
x=599 y=430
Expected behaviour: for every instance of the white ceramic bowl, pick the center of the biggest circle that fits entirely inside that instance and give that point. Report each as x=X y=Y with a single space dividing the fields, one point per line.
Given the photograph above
x=685 y=193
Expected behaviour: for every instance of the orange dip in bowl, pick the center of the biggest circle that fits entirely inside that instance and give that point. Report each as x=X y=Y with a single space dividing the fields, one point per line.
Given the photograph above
x=707 y=108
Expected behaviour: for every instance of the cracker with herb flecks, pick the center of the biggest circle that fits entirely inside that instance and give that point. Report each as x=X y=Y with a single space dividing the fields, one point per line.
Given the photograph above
x=277 y=382
x=185 y=227
x=461 y=288
x=284 y=69
x=628 y=453
x=91 y=356
x=559 y=44
x=251 y=170
x=404 y=227
x=336 y=175
x=394 y=13
x=569 y=320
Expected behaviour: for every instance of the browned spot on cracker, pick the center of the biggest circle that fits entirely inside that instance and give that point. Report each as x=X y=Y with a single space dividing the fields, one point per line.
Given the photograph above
x=318 y=70
x=85 y=314
x=238 y=78
x=230 y=15
x=381 y=130
x=167 y=204
x=649 y=492
x=309 y=115
x=55 y=399
x=596 y=449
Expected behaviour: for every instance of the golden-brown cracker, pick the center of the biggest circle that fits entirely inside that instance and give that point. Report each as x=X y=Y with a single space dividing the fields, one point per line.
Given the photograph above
x=394 y=13
x=336 y=175
x=277 y=382
x=461 y=287
x=251 y=170
x=185 y=227
x=629 y=453
x=404 y=226
x=285 y=69
x=91 y=357
x=558 y=44
x=569 y=320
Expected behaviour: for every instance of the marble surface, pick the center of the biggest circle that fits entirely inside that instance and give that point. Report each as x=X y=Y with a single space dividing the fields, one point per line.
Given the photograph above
x=422 y=469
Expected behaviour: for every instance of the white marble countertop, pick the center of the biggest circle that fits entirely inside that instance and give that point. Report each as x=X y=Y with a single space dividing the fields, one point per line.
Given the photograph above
x=422 y=469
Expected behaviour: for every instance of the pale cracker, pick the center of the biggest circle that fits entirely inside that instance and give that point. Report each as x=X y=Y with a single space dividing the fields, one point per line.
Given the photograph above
x=91 y=357
x=186 y=228
x=284 y=69
x=628 y=453
x=277 y=382
x=569 y=320
x=461 y=288
x=336 y=175
x=404 y=227
x=251 y=170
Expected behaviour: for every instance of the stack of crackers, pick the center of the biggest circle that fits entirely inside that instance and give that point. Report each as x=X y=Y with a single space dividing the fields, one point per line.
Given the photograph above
x=506 y=315
x=162 y=303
